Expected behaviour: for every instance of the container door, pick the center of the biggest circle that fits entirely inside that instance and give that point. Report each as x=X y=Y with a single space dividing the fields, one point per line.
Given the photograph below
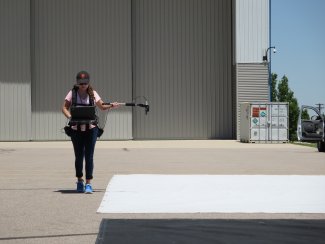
x=259 y=123
x=310 y=125
x=278 y=117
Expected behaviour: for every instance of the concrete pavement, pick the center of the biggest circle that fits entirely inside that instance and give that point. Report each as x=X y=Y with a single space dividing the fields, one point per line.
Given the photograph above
x=38 y=202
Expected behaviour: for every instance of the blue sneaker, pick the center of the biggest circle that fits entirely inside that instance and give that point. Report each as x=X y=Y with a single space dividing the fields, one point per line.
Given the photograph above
x=80 y=186
x=88 y=189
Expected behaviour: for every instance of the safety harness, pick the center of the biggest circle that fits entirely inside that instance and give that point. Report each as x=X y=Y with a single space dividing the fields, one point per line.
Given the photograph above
x=76 y=104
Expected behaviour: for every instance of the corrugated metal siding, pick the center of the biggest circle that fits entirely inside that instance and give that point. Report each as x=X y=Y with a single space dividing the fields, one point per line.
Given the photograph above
x=252 y=30
x=15 y=80
x=74 y=35
x=252 y=85
x=182 y=64
x=234 y=100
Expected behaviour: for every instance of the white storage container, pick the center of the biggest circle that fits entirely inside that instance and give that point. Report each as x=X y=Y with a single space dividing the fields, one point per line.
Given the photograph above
x=264 y=122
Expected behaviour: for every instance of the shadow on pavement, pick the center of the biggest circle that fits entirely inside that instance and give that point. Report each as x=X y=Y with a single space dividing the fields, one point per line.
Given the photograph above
x=73 y=191
x=68 y=192
x=205 y=231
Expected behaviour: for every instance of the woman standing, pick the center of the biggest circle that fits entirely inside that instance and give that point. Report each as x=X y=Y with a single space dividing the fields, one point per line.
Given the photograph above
x=84 y=136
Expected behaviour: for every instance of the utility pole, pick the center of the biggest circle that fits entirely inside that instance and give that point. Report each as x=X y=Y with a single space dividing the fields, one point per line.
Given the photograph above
x=320 y=107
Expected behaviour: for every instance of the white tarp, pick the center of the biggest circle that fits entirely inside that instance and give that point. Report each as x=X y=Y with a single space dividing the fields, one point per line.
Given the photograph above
x=214 y=194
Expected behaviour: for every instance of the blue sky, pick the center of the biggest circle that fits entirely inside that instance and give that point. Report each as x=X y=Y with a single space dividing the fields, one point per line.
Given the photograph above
x=298 y=33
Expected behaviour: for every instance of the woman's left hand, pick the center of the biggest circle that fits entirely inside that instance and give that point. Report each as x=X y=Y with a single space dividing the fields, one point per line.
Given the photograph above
x=115 y=105
x=101 y=105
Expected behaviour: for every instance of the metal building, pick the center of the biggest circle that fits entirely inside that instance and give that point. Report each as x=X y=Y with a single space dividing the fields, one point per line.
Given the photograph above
x=194 y=60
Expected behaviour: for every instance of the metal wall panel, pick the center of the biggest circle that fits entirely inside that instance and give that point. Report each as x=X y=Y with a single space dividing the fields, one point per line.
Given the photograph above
x=15 y=80
x=182 y=63
x=252 y=86
x=74 y=35
x=252 y=30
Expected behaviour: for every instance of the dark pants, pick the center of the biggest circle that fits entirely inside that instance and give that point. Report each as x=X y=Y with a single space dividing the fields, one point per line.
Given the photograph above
x=84 y=147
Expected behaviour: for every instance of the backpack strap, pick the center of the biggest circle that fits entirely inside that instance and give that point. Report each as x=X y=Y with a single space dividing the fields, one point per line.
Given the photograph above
x=91 y=101
x=74 y=96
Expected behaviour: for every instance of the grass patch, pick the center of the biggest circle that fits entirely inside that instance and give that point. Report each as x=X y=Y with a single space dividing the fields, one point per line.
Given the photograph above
x=306 y=144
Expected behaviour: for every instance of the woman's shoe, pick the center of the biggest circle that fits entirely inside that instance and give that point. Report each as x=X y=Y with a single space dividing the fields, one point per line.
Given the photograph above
x=80 y=186
x=88 y=189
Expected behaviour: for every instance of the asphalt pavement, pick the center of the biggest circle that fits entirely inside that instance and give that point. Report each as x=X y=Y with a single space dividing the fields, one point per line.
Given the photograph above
x=39 y=204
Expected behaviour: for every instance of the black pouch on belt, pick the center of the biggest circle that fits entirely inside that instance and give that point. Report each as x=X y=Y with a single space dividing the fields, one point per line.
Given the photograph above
x=68 y=130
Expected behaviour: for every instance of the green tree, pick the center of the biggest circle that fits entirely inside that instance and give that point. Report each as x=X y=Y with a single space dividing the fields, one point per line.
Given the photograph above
x=285 y=94
x=305 y=115
x=274 y=91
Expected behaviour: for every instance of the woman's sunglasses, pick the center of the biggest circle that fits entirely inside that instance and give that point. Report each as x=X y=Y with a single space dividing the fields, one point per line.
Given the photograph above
x=83 y=84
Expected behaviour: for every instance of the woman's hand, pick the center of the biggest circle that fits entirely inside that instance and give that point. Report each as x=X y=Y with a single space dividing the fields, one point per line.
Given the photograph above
x=115 y=105
x=106 y=107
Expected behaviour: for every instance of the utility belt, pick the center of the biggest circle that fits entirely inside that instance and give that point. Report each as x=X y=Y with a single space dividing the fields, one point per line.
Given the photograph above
x=87 y=124
x=68 y=129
